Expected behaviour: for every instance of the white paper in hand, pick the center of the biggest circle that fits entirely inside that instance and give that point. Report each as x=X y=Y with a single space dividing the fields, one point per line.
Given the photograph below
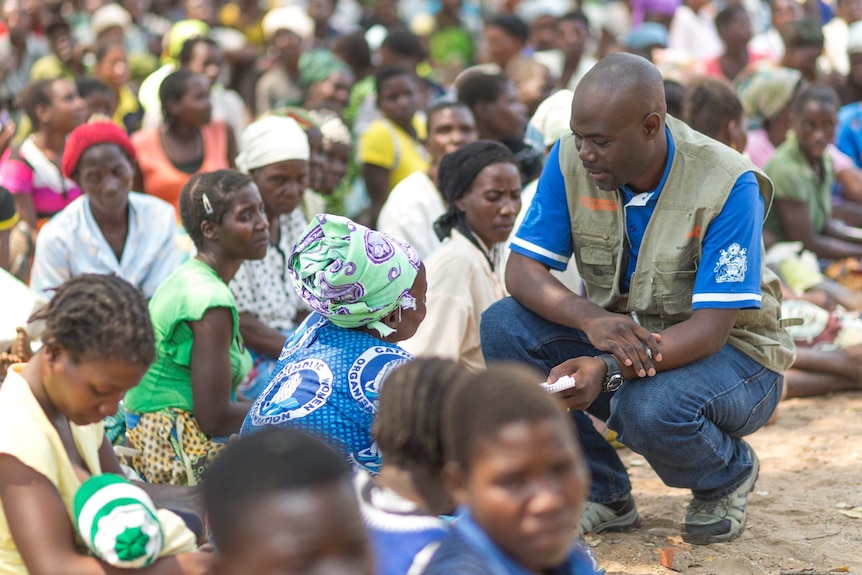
x=562 y=384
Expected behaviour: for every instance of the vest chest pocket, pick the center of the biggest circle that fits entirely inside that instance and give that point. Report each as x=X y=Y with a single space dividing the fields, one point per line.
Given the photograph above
x=597 y=263
x=673 y=285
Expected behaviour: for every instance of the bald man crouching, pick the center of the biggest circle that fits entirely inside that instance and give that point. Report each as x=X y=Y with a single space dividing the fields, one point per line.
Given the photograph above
x=677 y=344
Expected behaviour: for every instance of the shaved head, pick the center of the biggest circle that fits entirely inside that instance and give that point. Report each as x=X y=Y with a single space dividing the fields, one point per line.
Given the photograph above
x=623 y=83
x=618 y=120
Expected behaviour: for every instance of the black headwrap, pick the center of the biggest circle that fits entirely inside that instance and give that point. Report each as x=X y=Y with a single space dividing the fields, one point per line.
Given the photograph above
x=454 y=178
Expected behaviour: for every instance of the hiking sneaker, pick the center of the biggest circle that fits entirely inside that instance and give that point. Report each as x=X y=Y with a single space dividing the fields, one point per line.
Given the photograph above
x=721 y=519
x=618 y=516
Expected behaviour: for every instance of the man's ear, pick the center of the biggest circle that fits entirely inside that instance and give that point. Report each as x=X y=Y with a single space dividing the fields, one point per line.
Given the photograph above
x=455 y=480
x=652 y=126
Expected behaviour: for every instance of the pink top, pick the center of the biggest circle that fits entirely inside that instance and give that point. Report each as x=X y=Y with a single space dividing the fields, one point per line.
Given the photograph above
x=759 y=150
x=712 y=66
x=27 y=171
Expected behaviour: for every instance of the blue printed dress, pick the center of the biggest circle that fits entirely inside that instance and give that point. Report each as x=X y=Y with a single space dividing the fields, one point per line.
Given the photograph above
x=326 y=383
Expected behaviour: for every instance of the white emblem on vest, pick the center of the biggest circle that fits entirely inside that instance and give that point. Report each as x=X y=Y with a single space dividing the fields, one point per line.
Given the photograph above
x=732 y=265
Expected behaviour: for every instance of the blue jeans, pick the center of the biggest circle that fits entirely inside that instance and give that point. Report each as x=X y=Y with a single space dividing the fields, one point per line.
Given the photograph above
x=686 y=422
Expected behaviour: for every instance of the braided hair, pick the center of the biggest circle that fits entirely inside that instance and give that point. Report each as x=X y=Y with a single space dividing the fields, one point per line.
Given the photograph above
x=97 y=317
x=504 y=394
x=409 y=425
x=456 y=174
x=207 y=197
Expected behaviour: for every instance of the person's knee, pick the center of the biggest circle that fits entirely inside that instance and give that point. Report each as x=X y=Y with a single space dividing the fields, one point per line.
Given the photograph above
x=496 y=324
x=640 y=416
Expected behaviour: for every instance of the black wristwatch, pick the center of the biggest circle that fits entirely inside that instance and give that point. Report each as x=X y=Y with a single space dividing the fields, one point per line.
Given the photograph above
x=614 y=377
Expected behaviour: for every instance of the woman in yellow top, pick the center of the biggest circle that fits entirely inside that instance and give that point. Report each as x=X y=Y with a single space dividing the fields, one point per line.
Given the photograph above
x=98 y=342
x=390 y=150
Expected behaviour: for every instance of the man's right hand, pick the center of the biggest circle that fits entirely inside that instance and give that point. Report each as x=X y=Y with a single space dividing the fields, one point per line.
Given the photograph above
x=531 y=283
x=631 y=344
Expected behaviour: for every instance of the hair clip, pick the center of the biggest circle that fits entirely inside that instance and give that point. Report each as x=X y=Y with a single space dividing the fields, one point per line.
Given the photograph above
x=208 y=207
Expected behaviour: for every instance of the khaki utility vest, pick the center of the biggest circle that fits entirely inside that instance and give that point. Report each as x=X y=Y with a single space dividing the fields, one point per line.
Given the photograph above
x=701 y=177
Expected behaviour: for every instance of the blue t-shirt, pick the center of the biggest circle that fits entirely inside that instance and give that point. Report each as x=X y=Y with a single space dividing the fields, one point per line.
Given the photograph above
x=728 y=274
x=402 y=536
x=326 y=383
x=468 y=550
x=848 y=135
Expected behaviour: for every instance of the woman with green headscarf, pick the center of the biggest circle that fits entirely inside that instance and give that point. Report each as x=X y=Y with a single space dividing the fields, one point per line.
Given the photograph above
x=766 y=98
x=326 y=81
x=367 y=290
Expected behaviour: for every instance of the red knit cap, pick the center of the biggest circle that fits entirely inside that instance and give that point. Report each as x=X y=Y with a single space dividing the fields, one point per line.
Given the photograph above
x=86 y=136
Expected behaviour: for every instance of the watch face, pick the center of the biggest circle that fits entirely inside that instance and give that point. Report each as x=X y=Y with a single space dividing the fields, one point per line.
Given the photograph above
x=613 y=383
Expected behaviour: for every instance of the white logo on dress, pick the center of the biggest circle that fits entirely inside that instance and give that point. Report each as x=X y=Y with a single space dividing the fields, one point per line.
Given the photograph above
x=300 y=388
x=732 y=265
x=365 y=377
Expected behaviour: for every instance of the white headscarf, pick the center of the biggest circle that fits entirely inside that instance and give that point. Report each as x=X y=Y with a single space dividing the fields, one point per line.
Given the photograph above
x=292 y=18
x=269 y=140
x=332 y=126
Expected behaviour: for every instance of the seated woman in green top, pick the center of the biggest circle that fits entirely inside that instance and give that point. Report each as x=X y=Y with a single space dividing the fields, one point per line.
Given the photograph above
x=803 y=175
x=181 y=414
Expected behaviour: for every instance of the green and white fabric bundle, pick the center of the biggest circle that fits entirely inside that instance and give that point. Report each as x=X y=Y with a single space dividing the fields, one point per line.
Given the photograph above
x=118 y=521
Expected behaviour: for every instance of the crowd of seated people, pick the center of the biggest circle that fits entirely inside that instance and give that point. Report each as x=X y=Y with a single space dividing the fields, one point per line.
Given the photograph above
x=255 y=234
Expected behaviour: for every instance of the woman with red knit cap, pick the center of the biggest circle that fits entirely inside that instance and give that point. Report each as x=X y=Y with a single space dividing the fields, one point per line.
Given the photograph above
x=110 y=229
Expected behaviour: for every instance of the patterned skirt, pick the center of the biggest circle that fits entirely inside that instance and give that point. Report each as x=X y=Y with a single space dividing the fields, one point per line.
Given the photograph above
x=173 y=449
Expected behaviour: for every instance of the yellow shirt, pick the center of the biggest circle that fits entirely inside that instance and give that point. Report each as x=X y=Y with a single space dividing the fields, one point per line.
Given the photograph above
x=28 y=436
x=127 y=103
x=231 y=16
x=386 y=145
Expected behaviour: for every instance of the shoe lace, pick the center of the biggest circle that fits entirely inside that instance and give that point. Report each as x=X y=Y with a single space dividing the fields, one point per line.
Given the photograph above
x=699 y=506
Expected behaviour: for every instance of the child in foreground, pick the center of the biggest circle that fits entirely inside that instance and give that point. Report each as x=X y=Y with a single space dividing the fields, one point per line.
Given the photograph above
x=280 y=501
x=97 y=344
x=518 y=475
x=401 y=505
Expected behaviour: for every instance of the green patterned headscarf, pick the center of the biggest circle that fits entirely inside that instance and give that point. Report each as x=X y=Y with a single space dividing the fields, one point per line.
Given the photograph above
x=766 y=93
x=352 y=275
x=318 y=65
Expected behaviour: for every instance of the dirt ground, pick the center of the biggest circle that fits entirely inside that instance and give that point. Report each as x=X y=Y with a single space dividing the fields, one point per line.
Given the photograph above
x=804 y=515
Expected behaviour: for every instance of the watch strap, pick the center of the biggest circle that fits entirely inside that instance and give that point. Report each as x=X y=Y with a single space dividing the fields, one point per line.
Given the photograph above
x=613 y=366
x=613 y=377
